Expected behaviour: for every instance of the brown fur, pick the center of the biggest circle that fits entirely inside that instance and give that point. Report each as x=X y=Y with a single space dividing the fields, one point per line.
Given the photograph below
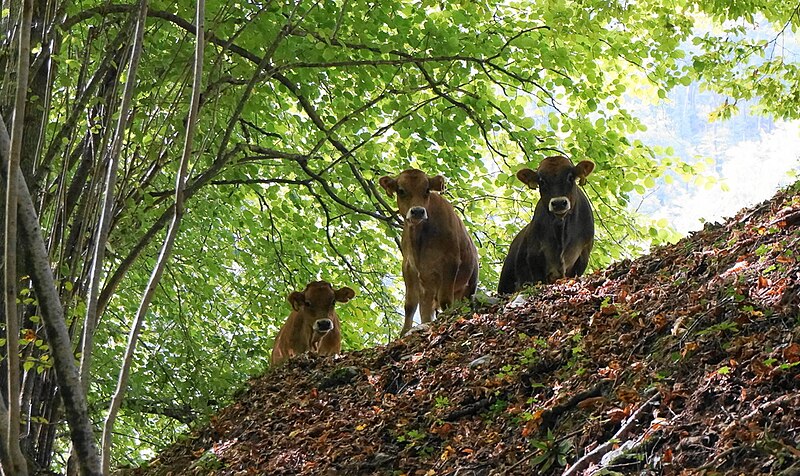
x=316 y=302
x=440 y=261
x=558 y=240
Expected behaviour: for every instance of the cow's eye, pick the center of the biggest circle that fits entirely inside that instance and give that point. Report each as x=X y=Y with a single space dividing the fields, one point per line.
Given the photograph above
x=542 y=182
x=401 y=192
x=427 y=192
x=570 y=178
x=308 y=303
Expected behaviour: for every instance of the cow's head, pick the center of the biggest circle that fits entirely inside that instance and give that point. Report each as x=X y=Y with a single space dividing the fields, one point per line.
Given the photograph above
x=315 y=304
x=556 y=178
x=413 y=188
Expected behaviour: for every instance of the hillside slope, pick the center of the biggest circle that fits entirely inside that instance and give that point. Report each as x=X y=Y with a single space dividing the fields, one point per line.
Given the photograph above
x=685 y=361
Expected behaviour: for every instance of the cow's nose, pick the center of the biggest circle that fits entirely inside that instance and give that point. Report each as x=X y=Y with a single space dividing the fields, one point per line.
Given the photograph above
x=418 y=213
x=323 y=325
x=559 y=205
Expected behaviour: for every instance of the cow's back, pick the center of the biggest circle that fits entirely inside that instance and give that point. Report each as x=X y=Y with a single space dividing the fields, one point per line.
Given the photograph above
x=286 y=342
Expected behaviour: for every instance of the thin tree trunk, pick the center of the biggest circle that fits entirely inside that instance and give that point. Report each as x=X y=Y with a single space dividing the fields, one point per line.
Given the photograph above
x=5 y=458
x=169 y=241
x=77 y=414
x=95 y=272
x=18 y=464
x=107 y=206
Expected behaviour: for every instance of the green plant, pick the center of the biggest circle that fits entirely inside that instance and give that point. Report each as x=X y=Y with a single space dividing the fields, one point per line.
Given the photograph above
x=498 y=407
x=507 y=371
x=530 y=355
x=551 y=452
x=412 y=437
x=442 y=402
x=208 y=461
x=415 y=439
x=724 y=326
x=770 y=362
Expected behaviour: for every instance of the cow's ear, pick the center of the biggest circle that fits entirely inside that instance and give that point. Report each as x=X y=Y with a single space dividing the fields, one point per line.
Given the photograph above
x=583 y=169
x=345 y=294
x=297 y=299
x=389 y=184
x=529 y=178
x=437 y=183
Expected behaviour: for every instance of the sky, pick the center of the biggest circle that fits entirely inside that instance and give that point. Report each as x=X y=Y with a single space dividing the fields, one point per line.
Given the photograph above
x=752 y=158
x=748 y=171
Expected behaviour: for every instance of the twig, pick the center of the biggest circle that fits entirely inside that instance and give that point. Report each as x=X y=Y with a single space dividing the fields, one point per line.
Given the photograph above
x=549 y=416
x=767 y=407
x=720 y=457
x=790 y=218
x=534 y=453
x=597 y=453
x=470 y=409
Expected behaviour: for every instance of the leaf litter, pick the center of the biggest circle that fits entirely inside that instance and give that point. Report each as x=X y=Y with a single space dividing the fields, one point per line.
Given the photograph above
x=685 y=361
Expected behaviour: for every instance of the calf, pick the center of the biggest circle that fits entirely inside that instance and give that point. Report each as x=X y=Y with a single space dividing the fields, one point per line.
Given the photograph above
x=440 y=262
x=313 y=324
x=558 y=240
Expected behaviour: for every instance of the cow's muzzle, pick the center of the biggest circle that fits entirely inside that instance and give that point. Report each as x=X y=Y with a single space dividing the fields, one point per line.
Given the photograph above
x=417 y=214
x=559 y=206
x=322 y=326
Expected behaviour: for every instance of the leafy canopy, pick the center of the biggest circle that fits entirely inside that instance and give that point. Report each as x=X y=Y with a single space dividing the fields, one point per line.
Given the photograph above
x=305 y=105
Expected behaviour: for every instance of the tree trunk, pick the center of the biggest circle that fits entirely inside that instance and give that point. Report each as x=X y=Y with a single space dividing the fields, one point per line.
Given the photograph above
x=18 y=466
x=81 y=431
x=106 y=208
x=166 y=250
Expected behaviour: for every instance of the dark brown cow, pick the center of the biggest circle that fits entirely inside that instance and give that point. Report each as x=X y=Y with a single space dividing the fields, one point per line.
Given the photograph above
x=440 y=262
x=558 y=240
x=313 y=324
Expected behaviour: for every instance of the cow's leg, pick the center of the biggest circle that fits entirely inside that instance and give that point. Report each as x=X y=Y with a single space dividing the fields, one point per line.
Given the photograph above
x=580 y=264
x=412 y=299
x=329 y=344
x=445 y=289
x=508 y=276
x=514 y=273
x=427 y=304
x=410 y=309
x=554 y=264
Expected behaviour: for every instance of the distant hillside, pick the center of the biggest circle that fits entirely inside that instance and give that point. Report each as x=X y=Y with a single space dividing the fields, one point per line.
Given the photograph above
x=686 y=361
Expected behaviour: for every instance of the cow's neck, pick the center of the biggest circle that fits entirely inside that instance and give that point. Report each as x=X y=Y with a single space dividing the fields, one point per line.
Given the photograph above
x=421 y=233
x=560 y=231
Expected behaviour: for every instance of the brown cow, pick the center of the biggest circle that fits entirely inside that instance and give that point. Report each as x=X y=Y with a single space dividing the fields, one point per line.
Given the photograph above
x=440 y=262
x=558 y=240
x=313 y=324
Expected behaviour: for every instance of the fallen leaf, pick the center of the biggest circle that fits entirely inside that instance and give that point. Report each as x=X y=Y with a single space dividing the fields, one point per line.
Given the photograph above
x=791 y=354
x=592 y=402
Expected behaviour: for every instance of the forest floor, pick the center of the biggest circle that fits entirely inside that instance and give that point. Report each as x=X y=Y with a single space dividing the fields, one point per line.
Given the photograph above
x=684 y=361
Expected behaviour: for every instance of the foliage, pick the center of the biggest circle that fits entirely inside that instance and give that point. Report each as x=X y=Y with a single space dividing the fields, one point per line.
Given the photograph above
x=305 y=106
x=765 y=70
x=551 y=453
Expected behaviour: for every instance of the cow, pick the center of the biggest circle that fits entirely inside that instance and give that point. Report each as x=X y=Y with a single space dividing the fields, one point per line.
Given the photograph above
x=313 y=324
x=558 y=240
x=440 y=261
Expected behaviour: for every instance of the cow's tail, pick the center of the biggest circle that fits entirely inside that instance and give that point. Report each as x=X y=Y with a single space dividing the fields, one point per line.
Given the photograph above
x=472 y=285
